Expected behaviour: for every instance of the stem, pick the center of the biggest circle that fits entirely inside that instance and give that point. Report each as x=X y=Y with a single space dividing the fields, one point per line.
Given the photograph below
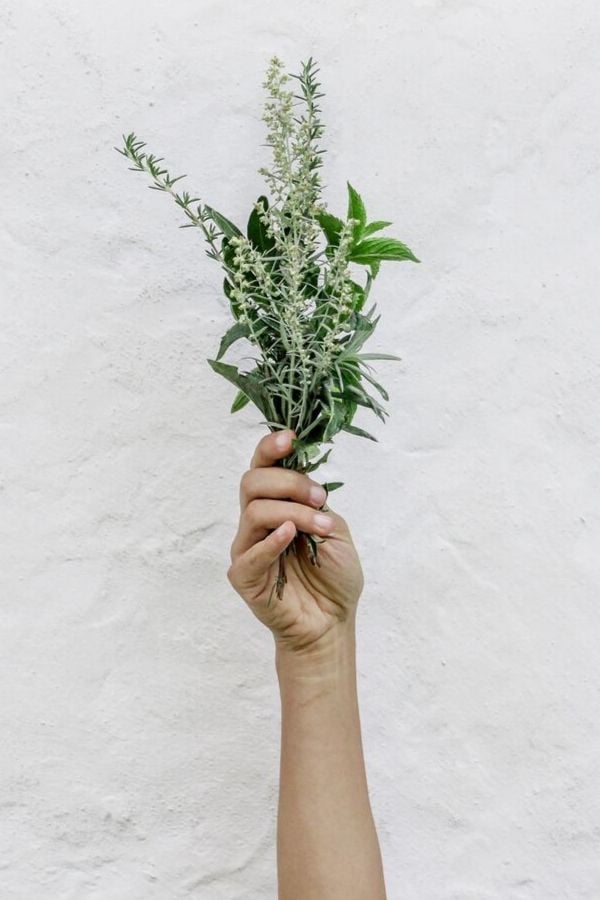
x=148 y=163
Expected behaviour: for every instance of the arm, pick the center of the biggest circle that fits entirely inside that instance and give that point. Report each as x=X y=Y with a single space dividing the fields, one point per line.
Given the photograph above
x=327 y=843
x=327 y=847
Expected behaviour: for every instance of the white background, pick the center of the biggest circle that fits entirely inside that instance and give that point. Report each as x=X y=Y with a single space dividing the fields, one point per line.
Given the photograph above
x=138 y=703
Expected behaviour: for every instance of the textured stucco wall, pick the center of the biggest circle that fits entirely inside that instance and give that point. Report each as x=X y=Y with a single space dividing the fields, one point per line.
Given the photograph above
x=139 y=716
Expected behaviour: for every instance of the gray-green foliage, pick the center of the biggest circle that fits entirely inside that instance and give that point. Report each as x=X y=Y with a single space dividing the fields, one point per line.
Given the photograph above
x=288 y=279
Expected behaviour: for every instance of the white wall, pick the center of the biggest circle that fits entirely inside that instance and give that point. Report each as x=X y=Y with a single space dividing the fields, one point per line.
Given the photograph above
x=139 y=710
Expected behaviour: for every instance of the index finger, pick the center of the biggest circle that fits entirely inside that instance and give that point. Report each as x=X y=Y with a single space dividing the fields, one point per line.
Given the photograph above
x=272 y=447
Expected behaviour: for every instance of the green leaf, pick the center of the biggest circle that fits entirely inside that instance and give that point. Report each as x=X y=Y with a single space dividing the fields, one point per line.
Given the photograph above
x=228 y=228
x=374 y=266
x=376 y=385
x=372 y=227
x=352 y=429
x=235 y=306
x=364 y=329
x=237 y=331
x=228 y=253
x=256 y=231
x=309 y=450
x=363 y=399
x=338 y=415
x=227 y=288
x=243 y=382
x=350 y=407
x=378 y=356
x=331 y=226
x=332 y=485
x=359 y=295
x=356 y=210
x=318 y=462
x=372 y=404
x=241 y=400
x=375 y=249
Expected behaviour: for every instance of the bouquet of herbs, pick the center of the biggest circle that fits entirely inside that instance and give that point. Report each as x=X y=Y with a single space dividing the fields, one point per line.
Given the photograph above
x=289 y=284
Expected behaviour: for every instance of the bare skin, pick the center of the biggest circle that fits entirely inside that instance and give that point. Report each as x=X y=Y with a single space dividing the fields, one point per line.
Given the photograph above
x=327 y=846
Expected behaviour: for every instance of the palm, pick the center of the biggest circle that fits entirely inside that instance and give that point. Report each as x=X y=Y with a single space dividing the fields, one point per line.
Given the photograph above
x=271 y=565
x=315 y=597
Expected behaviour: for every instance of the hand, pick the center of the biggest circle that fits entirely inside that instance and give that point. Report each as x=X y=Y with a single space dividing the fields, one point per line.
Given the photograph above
x=276 y=504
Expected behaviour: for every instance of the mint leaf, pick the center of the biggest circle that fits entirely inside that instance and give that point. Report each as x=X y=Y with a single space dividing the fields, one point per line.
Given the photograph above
x=372 y=227
x=376 y=249
x=331 y=226
x=356 y=210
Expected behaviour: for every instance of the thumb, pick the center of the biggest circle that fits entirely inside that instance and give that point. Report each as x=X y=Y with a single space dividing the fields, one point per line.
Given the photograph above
x=252 y=566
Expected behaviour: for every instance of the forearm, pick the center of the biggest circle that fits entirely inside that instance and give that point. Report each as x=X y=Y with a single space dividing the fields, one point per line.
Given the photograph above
x=327 y=846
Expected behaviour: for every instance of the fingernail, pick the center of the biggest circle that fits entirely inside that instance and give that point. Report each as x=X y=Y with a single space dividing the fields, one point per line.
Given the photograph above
x=323 y=523
x=282 y=441
x=317 y=494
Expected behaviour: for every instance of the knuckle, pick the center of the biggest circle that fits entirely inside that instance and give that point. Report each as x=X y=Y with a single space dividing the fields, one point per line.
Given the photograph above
x=299 y=487
x=253 y=563
x=246 y=481
x=316 y=493
x=253 y=512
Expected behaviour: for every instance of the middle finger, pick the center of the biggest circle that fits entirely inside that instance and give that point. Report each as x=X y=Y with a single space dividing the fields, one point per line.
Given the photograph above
x=281 y=484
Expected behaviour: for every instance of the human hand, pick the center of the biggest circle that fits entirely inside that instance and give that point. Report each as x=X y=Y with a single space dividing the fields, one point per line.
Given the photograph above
x=275 y=504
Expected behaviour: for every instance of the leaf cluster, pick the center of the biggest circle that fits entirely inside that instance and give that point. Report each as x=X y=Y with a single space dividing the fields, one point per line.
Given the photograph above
x=292 y=279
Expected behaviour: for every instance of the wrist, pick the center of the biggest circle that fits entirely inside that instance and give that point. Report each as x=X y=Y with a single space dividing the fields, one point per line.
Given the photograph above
x=329 y=660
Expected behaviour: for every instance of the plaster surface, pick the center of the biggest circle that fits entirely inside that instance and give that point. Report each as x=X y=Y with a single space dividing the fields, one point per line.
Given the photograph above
x=139 y=718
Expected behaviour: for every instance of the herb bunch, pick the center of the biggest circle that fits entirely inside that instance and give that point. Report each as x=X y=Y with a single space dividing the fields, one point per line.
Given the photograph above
x=289 y=284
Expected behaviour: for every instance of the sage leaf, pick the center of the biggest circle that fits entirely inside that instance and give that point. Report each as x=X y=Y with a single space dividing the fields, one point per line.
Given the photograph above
x=241 y=400
x=245 y=383
x=237 y=331
x=228 y=228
